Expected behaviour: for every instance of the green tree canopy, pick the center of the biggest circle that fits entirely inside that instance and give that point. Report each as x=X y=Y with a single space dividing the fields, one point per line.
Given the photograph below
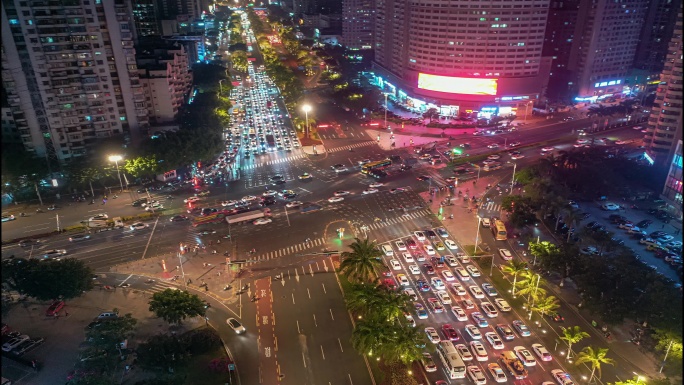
x=174 y=306
x=47 y=280
x=361 y=262
x=142 y=166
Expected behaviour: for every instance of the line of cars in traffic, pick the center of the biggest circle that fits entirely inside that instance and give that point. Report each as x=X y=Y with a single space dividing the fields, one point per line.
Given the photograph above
x=437 y=276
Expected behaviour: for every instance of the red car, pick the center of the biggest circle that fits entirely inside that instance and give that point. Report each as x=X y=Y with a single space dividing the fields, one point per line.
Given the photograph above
x=411 y=244
x=450 y=333
x=390 y=283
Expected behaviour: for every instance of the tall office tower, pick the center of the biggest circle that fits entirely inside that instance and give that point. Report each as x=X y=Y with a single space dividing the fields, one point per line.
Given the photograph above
x=69 y=71
x=665 y=122
x=146 y=18
x=656 y=34
x=672 y=191
x=462 y=56
x=357 y=23
x=187 y=9
x=560 y=33
x=606 y=37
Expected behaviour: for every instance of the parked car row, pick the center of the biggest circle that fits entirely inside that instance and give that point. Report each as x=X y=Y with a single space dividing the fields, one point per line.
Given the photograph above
x=18 y=344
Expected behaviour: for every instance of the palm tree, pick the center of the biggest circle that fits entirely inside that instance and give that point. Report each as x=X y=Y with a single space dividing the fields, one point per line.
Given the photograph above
x=572 y=336
x=544 y=305
x=572 y=218
x=361 y=262
x=362 y=298
x=514 y=268
x=595 y=358
x=371 y=336
x=529 y=285
x=406 y=344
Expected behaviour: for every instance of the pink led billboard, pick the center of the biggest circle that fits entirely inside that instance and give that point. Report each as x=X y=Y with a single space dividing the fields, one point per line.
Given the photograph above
x=455 y=85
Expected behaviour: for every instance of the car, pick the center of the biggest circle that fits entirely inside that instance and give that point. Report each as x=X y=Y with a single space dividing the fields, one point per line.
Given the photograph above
x=407 y=256
x=489 y=309
x=489 y=162
x=557 y=317
x=276 y=177
x=451 y=260
x=191 y=200
x=517 y=156
x=473 y=332
x=644 y=224
x=473 y=271
x=420 y=235
x=293 y=204
x=462 y=257
x=636 y=230
x=99 y=217
x=79 y=237
x=305 y=176
x=476 y=292
x=429 y=250
x=409 y=320
x=479 y=351
x=395 y=264
x=424 y=178
x=8 y=217
x=249 y=198
x=55 y=253
x=442 y=232
x=547 y=149
x=436 y=306
x=432 y=335
x=154 y=206
x=649 y=242
x=376 y=185
x=626 y=225
x=525 y=356
x=463 y=274
x=479 y=319
x=450 y=244
x=496 y=372
x=411 y=293
x=444 y=297
x=505 y=254
x=489 y=289
x=439 y=246
x=27 y=345
x=420 y=310
x=422 y=285
x=521 y=328
x=610 y=207
x=494 y=340
x=448 y=276
x=428 y=363
x=450 y=332
x=502 y=304
x=437 y=283
x=229 y=203
x=29 y=242
x=414 y=269
x=437 y=262
x=236 y=325
x=411 y=244
x=541 y=352
x=340 y=193
x=493 y=146
x=287 y=194
x=656 y=234
x=400 y=245
x=458 y=289
x=665 y=238
x=459 y=313
x=14 y=342
x=138 y=226
x=674 y=244
x=335 y=199
x=561 y=377
x=269 y=193
x=403 y=281
x=589 y=250
x=370 y=191
x=505 y=332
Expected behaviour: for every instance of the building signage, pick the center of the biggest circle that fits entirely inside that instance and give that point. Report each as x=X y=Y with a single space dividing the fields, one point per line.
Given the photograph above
x=457 y=85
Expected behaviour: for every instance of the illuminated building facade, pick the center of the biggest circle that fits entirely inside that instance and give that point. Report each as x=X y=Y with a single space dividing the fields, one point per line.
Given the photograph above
x=357 y=24
x=672 y=192
x=665 y=122
x=432 y=53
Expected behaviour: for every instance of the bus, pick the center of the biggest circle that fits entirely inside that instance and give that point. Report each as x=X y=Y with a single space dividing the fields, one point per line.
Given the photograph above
x=270 y=143
x=378 y=165
x=453 y=363
x=499 y=230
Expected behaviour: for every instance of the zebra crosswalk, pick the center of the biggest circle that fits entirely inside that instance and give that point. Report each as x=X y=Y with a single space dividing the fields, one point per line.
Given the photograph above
x=491 y=206
x=257 y=164
x=349 y=147
x=405 y=217
x=287 y=251
x=159 y=286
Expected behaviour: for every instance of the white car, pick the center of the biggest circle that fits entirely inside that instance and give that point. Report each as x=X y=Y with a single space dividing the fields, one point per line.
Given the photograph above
x=414 y=269
x=476 y=292
x=494 y=157
x=432 y=335
x=395 y=264
x=473 y=271
x=459 y=313
x=335 y=199
x=376 y=185
x=561 y=377
x=191 y=200
x=494 y=340
x=236 y=325
x=444 y=297
x=505 y=254
x=228 y=203
x=341 y=193
x=138 y=226
x=502 y=304
x=451 y=261
x=493 y=145
x=463 y=274
x=154 y=206
x=610 y=207
x=293 y=204
x=400 y=245
x=496 y=372
x=409 y=319
x=14 y=342
x=525 y=356
x=473 y=332
x=517 y=156
x=436 y=283
x=99 y=217
x=403 y=281
x=420 y=235
x=489 y=309
x=464 y=352
x=270 y=193
x=463 y=257
x=547 y=149
x=411 y=293
x=249 y=198
x=370 y=191
x=450 y=244
x=479 y=351
x=458 y=289
x=429 y=250
x=262 y=221
x=541 y=352
x=448 y=276
x=407 y=256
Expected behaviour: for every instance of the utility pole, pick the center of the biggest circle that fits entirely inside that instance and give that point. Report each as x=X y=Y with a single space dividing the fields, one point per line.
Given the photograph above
x=515 y=165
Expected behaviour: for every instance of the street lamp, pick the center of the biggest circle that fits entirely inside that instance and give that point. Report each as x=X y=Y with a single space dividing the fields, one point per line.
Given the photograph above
x=639 y=378
x=513 y=179
x=221 y=86
x=386 y=95
x=477 y=233
x=527 y=106
x=116 y=159
x=306 y=108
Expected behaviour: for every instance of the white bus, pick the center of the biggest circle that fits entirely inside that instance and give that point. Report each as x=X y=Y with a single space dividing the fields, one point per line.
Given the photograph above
x=453 y=364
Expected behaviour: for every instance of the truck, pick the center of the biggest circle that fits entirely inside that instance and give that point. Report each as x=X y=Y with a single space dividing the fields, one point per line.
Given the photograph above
x=513 y=364
x=270 y=143
x=309 y=208
x=102 y=223
x=216 y=217
x=248 y=216
x=426 y=148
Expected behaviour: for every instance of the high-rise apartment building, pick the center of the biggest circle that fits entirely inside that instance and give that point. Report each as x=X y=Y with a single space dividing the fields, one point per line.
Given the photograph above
x=672 y=191
x=560 y=33
x=656 y=33
x=357 y=23
x=665 y=122
x=146 y=18
x=606 y=36
x=462 y=56
x=70 y=74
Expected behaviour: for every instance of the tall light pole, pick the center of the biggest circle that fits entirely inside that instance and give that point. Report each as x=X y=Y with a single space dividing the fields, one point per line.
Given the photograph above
x=513 y=179
x=116 y=159
x=527 y=106
x=386 y=95
x=221 y=86
x=306 y=108
x=477 y=233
